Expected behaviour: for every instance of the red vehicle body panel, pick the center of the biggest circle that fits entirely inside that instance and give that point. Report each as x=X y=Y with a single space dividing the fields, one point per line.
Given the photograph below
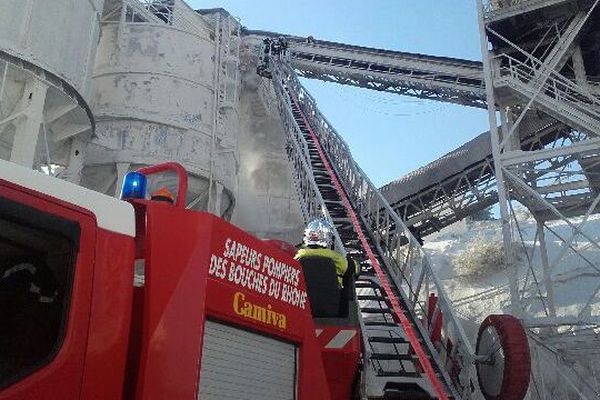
x=182 y=291
x=341 y=350
x=110 y=317
x=173 y=303
x=149 y=346
x=99 y=302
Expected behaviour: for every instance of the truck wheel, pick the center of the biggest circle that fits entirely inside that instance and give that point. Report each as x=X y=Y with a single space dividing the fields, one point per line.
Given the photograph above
x=504 y=373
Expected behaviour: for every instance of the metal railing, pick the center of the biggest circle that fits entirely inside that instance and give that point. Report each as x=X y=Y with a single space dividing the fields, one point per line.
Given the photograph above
x=492 y=6
x=176 y=13
x=555 y=86
x=499 y=9
x=406 y=262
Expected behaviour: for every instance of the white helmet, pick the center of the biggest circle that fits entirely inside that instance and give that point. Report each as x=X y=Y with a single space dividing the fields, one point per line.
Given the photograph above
x=318 y=232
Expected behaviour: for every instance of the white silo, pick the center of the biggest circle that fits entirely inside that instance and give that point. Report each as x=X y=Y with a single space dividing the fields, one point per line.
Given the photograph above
x=47 y=50
x=160 y=95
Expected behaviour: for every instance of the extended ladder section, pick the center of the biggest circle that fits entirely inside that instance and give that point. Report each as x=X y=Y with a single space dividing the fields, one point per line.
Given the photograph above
x=414 y=346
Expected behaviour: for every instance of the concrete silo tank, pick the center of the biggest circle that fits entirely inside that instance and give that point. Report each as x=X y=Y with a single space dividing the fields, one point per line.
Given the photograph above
x=47 y=51
x=155 y=100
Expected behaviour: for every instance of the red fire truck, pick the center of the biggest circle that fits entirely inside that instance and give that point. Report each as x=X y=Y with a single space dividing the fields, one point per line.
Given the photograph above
x=102 y=298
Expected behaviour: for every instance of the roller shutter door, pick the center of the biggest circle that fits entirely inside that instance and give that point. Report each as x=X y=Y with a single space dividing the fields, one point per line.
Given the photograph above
x=238 y=364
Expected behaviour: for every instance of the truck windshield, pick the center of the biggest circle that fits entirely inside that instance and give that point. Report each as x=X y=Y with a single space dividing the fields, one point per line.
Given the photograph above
x=36 y=267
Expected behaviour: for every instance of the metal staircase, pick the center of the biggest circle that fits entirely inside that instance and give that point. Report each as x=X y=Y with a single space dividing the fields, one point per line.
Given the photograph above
x=550 y=92
x=396 y=279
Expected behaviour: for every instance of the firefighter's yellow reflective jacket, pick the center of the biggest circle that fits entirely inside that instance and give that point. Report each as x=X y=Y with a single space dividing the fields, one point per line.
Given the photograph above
x=341 y=264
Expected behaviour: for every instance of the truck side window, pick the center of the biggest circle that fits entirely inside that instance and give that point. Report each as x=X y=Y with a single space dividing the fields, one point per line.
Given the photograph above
x=36 y=270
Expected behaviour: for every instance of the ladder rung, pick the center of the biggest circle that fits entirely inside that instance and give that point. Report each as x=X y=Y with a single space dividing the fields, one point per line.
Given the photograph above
x=375 y=310
x=398 y=374
x=367 y=284
x=387 y=339
x=371 y=297
x=387 y=356
x=380 y=323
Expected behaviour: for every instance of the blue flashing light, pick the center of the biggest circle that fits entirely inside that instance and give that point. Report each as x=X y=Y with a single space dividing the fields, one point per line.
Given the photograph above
x=134 y=186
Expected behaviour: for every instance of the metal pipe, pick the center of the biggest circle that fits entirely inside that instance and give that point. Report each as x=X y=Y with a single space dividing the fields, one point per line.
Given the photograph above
x=215 y=108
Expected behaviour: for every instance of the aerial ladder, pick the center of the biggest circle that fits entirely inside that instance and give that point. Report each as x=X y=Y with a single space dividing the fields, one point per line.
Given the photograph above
x=414 y=346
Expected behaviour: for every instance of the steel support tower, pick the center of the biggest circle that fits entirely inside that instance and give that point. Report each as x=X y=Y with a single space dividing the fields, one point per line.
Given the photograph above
x=541 y=57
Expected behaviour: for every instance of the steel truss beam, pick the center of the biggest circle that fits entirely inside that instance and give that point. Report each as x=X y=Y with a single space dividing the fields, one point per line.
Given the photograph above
x=407 y=86
x=449 y=201
x=435 y=204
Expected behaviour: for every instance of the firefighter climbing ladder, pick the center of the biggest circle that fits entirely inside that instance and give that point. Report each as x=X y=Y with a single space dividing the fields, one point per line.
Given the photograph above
x=396 y=279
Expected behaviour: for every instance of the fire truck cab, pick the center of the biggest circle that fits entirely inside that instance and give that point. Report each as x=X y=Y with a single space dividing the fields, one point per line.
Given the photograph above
x=108 y=299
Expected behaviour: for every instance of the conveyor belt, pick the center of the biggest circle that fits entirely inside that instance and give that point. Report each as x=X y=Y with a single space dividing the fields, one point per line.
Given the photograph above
x=428 y=77
x=460 y=183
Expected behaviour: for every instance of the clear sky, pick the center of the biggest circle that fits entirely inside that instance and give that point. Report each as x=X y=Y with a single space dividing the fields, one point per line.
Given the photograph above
x=389 y=135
